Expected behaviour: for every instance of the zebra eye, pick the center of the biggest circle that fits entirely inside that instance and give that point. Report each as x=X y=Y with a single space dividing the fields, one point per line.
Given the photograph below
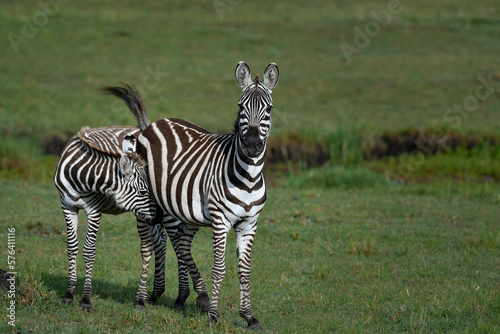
x=142 y=192
x=264 y=130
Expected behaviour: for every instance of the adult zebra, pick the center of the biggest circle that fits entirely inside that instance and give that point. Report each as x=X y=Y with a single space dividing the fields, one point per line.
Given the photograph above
x=205 y=179
x=99 y=172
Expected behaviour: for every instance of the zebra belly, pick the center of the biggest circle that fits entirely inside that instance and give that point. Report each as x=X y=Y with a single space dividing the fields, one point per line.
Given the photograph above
x=95 y=201
x=200 y=214
x=180 y=210
x=110 y=206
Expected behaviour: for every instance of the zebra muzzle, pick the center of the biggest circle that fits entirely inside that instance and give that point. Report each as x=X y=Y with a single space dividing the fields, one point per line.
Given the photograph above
x=253 y=148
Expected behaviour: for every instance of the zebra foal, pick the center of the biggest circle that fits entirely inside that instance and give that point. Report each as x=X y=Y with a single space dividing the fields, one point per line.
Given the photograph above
x=205 y=179
x=99 y=172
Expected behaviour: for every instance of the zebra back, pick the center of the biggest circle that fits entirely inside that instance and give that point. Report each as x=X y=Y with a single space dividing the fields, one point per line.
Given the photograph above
x=109 y=140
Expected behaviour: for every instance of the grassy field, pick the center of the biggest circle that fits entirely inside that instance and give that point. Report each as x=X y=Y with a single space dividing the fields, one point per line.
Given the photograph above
x=399 y=244
x=183 y=56
x=379 y=259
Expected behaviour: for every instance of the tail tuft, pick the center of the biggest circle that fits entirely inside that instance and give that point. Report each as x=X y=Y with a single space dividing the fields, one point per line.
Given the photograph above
x=131 y=96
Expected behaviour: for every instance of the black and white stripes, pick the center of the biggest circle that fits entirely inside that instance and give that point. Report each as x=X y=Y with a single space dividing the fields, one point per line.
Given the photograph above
x=204 y=179
x=94 y=175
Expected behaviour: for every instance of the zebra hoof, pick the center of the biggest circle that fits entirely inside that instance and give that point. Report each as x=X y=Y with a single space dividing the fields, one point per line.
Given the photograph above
x=254 y=325
x=85 y=304
x=202 y=302
x=67 y=299
x=213 y=318
x=154 y=298
x=180 y=305
x=139 y=305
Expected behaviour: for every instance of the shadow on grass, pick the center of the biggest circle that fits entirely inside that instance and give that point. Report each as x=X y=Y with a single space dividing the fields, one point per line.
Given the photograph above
x=123 y=294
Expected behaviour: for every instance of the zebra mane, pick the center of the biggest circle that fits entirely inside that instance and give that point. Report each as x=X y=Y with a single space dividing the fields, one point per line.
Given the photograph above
x=256 y=80
x=108 y=140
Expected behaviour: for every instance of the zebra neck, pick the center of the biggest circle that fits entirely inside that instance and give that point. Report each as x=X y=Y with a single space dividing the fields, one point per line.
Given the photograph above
x=249 y=168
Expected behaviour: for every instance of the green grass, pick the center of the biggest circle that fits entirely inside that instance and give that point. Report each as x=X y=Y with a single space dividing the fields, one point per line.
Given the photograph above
x=383 y=259
x=401 y=244
x=338 y=177
x=409 y=75
x=480 y=164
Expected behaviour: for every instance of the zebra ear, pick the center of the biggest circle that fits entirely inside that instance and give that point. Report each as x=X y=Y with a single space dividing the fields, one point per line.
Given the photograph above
x=242 y=75
x=126 y=165
x=271 y=76
x=129 y=144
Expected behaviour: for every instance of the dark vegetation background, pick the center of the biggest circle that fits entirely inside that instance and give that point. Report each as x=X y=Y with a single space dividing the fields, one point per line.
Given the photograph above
x=383 y=165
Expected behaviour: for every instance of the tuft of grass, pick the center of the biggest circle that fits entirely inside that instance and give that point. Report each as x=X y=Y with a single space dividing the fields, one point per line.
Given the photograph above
x=480 y=164
x=16 y=153
x=364 y=247
x=345 y=145
x=489 y=240
x=21 y=159
x=32 y=290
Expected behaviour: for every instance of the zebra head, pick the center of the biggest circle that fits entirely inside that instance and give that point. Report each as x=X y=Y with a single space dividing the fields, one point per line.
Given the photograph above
x=135 y=191
x=253 y=125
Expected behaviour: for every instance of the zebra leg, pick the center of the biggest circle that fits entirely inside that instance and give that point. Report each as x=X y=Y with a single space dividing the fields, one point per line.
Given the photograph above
x=144 y=230
x=172 y=227
x=245 y=233
x=182 y=247
x=71 y=217
x=220 y=231
x=159 y=239
x=93 y=219
x=184 y=290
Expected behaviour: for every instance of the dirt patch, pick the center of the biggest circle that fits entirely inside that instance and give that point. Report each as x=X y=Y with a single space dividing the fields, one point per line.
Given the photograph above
x=54 y=145
x=307 y=154
x=426 y=142
x=375 y=147
x=7 y=279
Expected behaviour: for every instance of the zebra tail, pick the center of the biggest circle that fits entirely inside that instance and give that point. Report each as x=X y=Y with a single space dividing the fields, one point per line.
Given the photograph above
x=131 y=96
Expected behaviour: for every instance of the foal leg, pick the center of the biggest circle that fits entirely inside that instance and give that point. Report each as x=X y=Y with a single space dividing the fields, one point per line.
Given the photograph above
x=94 y=219
x=71 y=217
x=144 y=230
